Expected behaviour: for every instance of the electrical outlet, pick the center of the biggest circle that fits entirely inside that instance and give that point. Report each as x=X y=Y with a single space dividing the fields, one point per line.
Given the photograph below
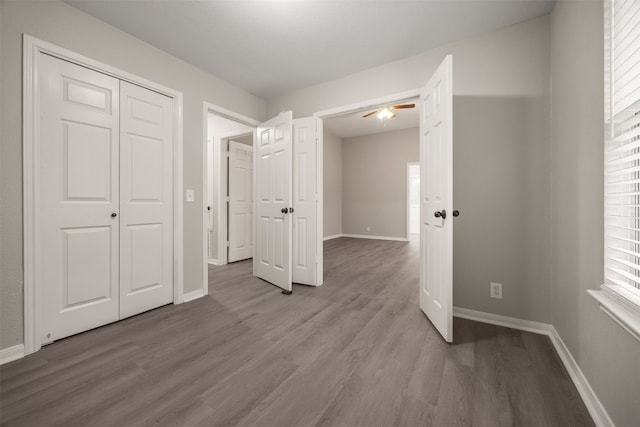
x=495 y=290
x=190 y=196
x=368 y=228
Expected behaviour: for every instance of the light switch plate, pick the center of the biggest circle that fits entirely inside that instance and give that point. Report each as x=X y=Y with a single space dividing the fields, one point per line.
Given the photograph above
x=190 y=196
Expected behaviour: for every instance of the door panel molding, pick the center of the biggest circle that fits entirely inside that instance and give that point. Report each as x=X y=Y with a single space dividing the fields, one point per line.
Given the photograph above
x=33 y=48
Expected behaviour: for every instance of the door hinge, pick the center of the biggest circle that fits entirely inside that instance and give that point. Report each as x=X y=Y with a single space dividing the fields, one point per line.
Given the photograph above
x=228 y=244
x=228 y=199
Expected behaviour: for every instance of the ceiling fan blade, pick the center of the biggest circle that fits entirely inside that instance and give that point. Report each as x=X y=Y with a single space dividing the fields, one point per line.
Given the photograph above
x=371 y=113
x=397 y=107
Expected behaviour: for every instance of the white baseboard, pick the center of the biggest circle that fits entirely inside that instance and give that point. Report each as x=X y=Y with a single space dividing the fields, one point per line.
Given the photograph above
x=11 y=353
x=594 y=406
x=194 y=295
x=365 y=236
x=333 y=236
x=507 y=322
x=214 y=261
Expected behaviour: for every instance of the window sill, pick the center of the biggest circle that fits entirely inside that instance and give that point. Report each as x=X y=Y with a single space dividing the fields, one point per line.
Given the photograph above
x=621 y=305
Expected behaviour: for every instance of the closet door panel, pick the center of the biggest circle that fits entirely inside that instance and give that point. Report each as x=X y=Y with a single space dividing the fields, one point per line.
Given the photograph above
x=146 y=200
x=77 y=193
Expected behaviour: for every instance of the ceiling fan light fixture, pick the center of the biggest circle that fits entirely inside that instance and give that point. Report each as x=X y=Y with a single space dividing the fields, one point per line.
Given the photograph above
x=385 y=113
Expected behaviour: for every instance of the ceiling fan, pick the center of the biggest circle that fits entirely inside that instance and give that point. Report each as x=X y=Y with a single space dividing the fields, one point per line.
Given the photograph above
x=386 y=112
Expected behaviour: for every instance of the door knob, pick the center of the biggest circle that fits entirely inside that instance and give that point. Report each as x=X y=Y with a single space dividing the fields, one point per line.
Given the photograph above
x=113 y=215
x=290 y=210
x=456 y=213
x=284 y=210
x=440 y=214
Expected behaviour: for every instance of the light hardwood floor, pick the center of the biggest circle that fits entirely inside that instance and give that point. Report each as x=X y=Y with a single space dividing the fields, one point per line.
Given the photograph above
x=355 y=352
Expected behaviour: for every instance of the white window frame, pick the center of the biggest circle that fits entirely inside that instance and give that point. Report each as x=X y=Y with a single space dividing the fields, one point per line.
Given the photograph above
x=618 y=299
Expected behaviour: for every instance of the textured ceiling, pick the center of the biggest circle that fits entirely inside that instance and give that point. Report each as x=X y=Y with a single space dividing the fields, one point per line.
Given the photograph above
x=270 y=48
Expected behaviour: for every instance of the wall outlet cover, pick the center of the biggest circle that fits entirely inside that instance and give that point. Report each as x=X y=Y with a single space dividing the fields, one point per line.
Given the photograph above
x=190 y=195
x=495 y=290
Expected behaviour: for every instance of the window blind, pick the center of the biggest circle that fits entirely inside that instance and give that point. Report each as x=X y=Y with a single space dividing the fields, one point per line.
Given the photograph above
x=622 y=144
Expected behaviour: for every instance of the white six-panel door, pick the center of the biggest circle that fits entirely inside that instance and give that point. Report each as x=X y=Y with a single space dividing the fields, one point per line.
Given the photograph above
x=146 y=194
x=240 y=201
x=105 y=197
x=436 y=210
x=79 y=191
x=305 y=201
x=273 y=171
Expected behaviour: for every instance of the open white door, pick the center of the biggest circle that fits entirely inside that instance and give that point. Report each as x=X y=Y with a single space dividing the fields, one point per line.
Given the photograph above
x=273 y=172
x=436 y=231
x=305 y=200
x=240 y=201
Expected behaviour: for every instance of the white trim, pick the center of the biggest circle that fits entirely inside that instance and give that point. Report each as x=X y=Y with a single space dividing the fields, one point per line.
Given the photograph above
x=205 y=197
x=32 y=48
x=10 y=354
x=365 y=236
x=369 y=104
x=319 y=201
x=621 y=309
x=333 y=236
x=408 y=200
x=198 y=293
x=507 y=322
x=212 y=262
x=594 y=406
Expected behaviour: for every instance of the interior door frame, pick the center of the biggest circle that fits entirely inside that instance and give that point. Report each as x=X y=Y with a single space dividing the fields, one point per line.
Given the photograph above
x=220 y=174
x=408 y=201
x=368 y=104
x=32 y=48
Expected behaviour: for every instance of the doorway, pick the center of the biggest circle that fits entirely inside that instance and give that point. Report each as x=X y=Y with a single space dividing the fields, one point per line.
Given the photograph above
x=365 y=180
x=221 y=128
x=436 y=193
x=240 y=198
x=413 y=200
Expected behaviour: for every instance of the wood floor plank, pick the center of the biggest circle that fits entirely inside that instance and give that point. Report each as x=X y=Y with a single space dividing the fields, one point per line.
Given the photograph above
x=356 y=351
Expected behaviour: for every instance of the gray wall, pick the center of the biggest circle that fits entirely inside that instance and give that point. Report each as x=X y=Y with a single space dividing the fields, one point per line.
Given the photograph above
x=65 y=26
x=501 y=172
x=607 y=355
x=374 y=182
x=332 y=184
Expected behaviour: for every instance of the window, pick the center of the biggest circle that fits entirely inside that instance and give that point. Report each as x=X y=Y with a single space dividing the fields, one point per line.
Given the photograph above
x=622 y=162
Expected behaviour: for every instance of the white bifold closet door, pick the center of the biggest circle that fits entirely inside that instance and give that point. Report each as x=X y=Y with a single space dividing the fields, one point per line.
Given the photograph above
x=240 y=201
x=104 y=199
x=146 y=200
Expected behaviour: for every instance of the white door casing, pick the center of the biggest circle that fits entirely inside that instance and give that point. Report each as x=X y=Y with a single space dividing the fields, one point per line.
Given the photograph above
x=305 y=201
x=240 y=183
x=436 y=210
x=79 y=116
x=273 y=175
x=146 y=194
